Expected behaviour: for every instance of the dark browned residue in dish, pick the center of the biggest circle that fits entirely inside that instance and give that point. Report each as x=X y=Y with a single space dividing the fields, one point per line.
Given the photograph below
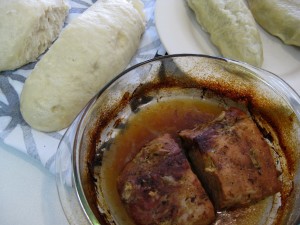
x=262 y=110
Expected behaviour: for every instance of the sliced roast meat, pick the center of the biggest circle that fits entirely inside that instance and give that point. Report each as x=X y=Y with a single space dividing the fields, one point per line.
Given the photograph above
x=233 y=159
x=159 y=187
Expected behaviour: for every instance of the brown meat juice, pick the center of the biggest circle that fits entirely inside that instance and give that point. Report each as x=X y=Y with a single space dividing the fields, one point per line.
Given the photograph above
x=151 y=121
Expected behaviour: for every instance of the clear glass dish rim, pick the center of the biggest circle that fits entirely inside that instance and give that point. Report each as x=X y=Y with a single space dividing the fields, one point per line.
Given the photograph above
x=277 y=82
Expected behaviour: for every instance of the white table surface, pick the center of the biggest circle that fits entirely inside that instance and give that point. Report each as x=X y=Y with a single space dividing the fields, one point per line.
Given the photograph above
x=28 y=194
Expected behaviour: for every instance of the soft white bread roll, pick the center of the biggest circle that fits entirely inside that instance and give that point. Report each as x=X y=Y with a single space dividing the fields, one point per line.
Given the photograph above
x=232 y=28
x=90 y=51
x=280 y=18
x=27 y=28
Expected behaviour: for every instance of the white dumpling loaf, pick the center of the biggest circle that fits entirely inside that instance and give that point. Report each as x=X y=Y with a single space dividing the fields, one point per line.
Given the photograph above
x=280 y=18
x=232 y=28
x=90 y=51
x=27 y=29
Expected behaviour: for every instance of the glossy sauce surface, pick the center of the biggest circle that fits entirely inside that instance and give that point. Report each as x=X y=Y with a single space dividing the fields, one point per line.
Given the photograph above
x=151 y=121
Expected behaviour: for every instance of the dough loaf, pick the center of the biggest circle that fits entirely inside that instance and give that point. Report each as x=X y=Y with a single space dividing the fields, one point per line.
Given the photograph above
x=27 y=28
x=91 y=50
x=232 y=28
x=280 y=18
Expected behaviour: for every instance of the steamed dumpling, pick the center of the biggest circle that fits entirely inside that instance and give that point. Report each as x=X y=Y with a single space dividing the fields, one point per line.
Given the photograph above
x=281 y=18
x=232 y=28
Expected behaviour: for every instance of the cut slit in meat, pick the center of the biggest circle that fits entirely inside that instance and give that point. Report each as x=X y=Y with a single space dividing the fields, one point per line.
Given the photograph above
x=232 y=159
x=159 y=187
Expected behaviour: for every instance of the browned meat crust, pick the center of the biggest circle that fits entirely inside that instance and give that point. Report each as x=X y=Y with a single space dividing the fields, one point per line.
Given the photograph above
x=159 y=187
x=233 y=160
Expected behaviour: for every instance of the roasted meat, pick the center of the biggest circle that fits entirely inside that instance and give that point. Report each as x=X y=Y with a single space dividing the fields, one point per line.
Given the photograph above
x=233 y=159
x=159 y=187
